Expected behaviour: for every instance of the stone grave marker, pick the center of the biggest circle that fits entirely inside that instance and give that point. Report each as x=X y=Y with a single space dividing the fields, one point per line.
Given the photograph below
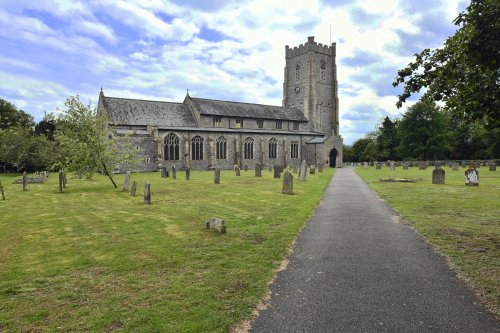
x=217 y=176
x=378 y=166
x=188 y=172
x=365 y=165
x=320 y=168
x=174 y=172
x=245 y=167
x=438 y=175
x=303 y=171
x=61 y=181
x=258 y=170
x=454 y=166
x=163 y=172
x=472 y=165
x=277 y=171
x=237 y=170
x=127 y=181
x=134 y=188
x=65 y=179
x=287 y=183
x=1 y=190
x=422 y=165
x=405 y=166
x=492 y=166
x=472 y=177
x=217 y=224
x=25 y=181
x=147 y=194
x=392 y=165
x=312 y=170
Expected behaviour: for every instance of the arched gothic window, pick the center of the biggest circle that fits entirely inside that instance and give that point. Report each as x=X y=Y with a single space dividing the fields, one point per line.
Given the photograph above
x=272 y=148
x=248 y=149
x=322 y=70
x=171 y=147
x=197 y=148
x=297 y=73
x=294 y=149
x=221 y=152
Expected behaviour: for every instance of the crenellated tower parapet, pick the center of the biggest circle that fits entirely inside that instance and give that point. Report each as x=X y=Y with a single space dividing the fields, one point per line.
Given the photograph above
x=311 y=45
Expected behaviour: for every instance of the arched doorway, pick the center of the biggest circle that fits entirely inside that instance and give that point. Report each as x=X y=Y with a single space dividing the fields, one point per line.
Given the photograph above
x=333 y=158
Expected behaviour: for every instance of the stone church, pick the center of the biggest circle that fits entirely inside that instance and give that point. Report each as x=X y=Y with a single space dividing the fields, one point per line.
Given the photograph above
x=206 y=133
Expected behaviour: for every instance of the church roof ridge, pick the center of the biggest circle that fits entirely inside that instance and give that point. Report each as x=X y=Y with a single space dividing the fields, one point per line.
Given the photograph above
x=142 y=100
x=247 y=103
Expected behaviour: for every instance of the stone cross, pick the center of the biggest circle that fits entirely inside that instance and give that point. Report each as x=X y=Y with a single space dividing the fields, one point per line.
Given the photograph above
x=127 y=181
x=61 y=181
x=147 y=194
x=134 y=188
x=287 y=183
x=258 y=170
x=174 y=172
x=312 y=170
x=277 y=171
x=237 y=170
x=438 y=175
x=303 y=171
x=492 y=166
x=217 y=176
x=1 y=190
x=25 y=181
x=188 y=172
x=472 y=177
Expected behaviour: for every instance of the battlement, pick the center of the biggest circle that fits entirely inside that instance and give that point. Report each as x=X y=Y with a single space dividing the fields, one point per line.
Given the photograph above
x=310 y=45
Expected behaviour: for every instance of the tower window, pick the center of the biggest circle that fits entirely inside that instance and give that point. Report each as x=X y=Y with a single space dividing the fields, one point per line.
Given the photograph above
x=217 y=121
x=294 y=149
x=272 y=148
x=297 y=73
x=171 y=147
x=197 y=148
x=322 y=70
x=221 y=153
x=279 y=124
x=295 y=126
x=260 y=123
x=239 y=123
x=248 y=149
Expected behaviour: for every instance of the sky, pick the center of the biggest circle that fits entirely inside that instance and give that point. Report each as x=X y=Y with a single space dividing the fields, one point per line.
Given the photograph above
x=228 y=50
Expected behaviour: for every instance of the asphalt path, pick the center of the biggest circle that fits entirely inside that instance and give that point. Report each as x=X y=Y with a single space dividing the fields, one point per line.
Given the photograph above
x=356 y=269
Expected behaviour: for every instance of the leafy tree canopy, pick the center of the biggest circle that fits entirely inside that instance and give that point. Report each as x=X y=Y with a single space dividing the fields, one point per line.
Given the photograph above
x=10 y=116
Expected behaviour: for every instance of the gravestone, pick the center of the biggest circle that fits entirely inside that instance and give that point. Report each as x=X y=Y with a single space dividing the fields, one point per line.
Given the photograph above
x=287 y=183
x=320 y=168
x=127 y=180
x=365 y=165
x=405 y=166
x=392 y=164
x=217 y=224
x=312 y=170
x=134 y=188
x=61 y=181
x=174 y=172
x=492 y=166
x=216 y=176
x=188 y=173
x=472 y=165
x=277 y=171
x=245 y=167
x=438 y=175
x=163 y=172
x=303 y=171
x=422 y=165
x=65 y=180
x=388 y=163
x=258 y=170
x=25 y=181
x=454 y=166
x=378 y=166
x=147 y=194
x=472 y=177
x=1 y=190
x=237 y=170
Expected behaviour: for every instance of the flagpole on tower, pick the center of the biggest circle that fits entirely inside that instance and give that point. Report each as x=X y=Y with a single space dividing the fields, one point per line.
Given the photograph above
x=330 y=34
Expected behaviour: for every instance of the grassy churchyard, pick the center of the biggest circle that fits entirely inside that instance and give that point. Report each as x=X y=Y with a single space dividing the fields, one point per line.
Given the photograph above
x=96 y=259
x=462 y=222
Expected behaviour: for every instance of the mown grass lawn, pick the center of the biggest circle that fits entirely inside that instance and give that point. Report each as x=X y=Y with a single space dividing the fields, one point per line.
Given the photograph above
x=462 y=222
x=96 y=259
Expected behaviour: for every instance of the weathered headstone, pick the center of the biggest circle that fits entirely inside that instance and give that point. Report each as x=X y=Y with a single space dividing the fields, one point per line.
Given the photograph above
x=65 y=180
x=245 y=167
x=61 y=181
x=312 y=170
x=277 y=171
x=438 y=175
x=217 y=224
x=422 y=165
x=237 y=170
x=134 y=188
x=492 y=166
x=147 y=194
x=127 y=181
x=25 y=181
x=217 y=176
x=378 y=166
x=454 y=166
x=320 y=168
x=258 y=170
x=392 y=164
x=365 y=165
x=188 y=173
x=163 y=172
x=472 y=177
x=287 y=183
x=303 y=171
x=1 y=190
x=174 y=172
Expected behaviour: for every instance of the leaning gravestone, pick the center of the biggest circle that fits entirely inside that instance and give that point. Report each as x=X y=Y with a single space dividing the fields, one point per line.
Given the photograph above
x=287 y=183
x=438 y=175
x=174 y=172
x=303 y=171
x=277 y=171
x=472 y=177
x=422 y=165
x=134 y=188
x=217 y=176
x=378 y=166
x=258 y=170
x=188 y=173
x=25 y=181
x=217 y=224
x=1 y=190
x=492 y=166
x=147 y=194
x=127 y=181
x=237 y=170
x=61 y=181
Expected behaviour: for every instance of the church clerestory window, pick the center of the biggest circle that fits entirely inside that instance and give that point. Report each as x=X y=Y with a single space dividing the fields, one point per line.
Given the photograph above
x=297 y=73
x=221 y=152
x=248 y=149
x=171 y=147
x=197 y=148
x=322 y=70
x=272 y=148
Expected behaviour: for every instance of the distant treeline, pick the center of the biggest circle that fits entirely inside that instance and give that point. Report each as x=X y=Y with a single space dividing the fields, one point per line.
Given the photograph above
x=426 y=132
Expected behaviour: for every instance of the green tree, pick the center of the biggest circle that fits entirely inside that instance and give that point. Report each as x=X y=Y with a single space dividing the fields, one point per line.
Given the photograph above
x=423 y=132
x=47 y=126
x=465 y=72
x=86 y=144
x=10 y=116
x=358 y=149
x=387 y=140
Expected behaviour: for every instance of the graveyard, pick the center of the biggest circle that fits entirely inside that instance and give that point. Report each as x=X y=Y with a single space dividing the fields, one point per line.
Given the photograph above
x=96 y=258
x=460 y=221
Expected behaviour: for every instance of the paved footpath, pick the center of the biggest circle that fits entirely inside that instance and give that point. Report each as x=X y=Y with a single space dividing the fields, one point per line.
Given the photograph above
x=354 y=269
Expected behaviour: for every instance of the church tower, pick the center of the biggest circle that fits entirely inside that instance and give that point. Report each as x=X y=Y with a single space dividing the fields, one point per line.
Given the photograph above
x=311 y=85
